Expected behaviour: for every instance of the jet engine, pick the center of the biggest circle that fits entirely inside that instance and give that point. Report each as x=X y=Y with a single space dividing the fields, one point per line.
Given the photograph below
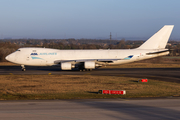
x=66 y=66
x=89 y=65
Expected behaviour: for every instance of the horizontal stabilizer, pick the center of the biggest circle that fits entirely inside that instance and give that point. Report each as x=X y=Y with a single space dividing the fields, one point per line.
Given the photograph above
x=157 y=52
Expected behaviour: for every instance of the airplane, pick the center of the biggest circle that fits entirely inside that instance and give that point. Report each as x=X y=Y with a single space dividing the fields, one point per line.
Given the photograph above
x=92 y=59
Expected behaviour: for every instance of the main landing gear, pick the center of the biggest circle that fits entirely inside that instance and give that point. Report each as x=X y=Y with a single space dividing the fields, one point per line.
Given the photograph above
x=23 y=68
x=85 y=70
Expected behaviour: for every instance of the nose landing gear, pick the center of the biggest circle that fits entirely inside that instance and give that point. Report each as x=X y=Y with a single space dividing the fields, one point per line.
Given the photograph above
x=23 y=68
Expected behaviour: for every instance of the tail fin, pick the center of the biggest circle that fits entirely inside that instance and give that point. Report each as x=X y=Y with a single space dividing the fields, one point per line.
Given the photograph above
x=159 y=39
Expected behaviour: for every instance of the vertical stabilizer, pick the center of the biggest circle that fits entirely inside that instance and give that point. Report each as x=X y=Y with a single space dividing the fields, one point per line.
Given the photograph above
x=159 y=39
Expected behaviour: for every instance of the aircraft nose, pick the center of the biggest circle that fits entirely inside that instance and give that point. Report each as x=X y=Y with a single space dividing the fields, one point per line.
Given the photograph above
x=7 y=58
x=10 y=57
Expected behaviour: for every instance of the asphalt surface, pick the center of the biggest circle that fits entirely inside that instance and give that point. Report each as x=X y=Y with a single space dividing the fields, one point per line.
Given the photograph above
x=163 y=74
x=100 y=109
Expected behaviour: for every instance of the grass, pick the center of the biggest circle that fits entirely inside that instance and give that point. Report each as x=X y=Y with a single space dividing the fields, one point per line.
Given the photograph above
x=23 y=87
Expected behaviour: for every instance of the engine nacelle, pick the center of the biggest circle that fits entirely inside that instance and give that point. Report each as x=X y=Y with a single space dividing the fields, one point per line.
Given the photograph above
x=66 y=66
x=89 y=65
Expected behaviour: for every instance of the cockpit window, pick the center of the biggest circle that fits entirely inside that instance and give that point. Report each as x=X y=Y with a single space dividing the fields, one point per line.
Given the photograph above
x=18 y=50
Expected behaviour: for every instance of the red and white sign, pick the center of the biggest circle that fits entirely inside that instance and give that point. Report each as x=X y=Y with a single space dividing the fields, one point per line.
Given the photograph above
x=118 y=92
x=144 y=80
x=113 y=92
x=105 y=91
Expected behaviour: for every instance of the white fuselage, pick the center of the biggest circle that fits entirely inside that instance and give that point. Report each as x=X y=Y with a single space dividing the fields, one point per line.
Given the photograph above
x=47 y=56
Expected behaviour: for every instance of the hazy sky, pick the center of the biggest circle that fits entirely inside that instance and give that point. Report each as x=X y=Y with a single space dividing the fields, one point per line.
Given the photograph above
x=87 y=18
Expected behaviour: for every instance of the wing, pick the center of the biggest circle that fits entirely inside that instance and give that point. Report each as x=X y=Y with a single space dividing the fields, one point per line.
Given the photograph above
x=95 y=60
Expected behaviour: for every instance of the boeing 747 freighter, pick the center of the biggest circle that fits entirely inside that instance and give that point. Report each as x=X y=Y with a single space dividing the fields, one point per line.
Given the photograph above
x=91 y=59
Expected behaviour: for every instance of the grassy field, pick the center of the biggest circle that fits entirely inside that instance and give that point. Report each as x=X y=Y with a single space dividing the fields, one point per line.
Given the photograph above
x=23 y=87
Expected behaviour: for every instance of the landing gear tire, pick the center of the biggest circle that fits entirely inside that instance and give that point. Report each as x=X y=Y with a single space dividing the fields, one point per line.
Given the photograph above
x=82 y=70
x=85 y=70
x=23 y=68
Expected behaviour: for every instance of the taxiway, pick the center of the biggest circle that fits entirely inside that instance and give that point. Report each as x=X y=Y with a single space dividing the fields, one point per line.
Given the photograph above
x=98 y=109
x=163 y=74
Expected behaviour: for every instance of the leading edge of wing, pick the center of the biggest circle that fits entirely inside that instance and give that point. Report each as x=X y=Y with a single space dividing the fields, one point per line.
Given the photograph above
x=96 y=60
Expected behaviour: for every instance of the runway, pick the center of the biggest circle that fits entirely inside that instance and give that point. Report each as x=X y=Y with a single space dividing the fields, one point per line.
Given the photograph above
x=163 y=74
x=98 y=109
